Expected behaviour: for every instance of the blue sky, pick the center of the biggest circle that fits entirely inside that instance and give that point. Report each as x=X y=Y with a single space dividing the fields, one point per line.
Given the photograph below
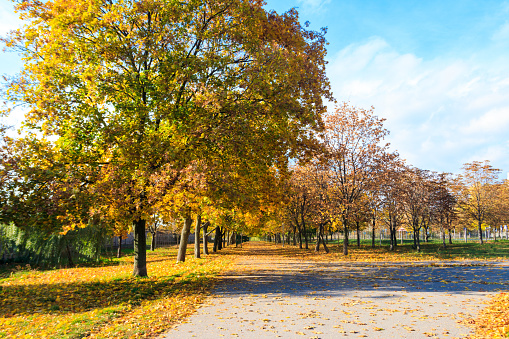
x=438 y=71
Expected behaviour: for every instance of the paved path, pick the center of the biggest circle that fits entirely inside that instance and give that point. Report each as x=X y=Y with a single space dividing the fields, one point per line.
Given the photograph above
x=266 y=296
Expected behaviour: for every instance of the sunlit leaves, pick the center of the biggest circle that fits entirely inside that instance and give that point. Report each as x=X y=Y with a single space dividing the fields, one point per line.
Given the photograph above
x=105 y=301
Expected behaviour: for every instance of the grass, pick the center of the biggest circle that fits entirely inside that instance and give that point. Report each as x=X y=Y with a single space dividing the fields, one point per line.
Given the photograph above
x=429 y=251
x=106 y=301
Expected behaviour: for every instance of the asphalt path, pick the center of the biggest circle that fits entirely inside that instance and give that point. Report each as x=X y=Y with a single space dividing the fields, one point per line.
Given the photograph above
x=267 y=296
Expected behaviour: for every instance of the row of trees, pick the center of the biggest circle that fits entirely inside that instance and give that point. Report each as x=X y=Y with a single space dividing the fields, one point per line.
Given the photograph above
x=355 y=182
x=184 y=110
x=206 y=112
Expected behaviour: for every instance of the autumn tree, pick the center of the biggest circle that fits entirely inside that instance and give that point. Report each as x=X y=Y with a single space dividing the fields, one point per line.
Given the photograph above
x=300 y=201
x=130 y=93
x=477 y=194
x=353 y=139
x=416 y=199
x=391 y=183
x=498 y=212
x=322 y=211
x=443 y=204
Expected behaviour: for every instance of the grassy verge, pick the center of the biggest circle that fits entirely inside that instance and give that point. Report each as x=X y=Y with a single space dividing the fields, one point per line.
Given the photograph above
x=105 y=301
x=498 y=250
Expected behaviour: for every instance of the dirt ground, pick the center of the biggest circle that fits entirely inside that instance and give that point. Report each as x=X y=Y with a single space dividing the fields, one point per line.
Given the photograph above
x=266 y=295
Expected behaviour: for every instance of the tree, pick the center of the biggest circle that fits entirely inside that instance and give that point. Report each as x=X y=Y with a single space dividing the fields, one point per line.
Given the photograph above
x=443 y=203
x=498 y=212
x=133 y=92
x=299 y=201
x=392 y=203
x=416 y=198
x=477 y=194
x=354 y=154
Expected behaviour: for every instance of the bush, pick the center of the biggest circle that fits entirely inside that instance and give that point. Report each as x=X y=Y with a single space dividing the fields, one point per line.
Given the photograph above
x=39 y=248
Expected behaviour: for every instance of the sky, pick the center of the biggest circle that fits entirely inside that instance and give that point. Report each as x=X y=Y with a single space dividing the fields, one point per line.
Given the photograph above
x=437 y=70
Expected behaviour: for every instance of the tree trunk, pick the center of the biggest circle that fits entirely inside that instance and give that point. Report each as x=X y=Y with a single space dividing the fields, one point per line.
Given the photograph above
x=418 y=244
x=345 y=241
x=479 y=223
x=373 y=225
x=394 y=233
x=184 y=237
x=450 y=237
x=140 y=248
x=221 y=236
x=300 y=236
x=317 y=245
x=153 y=241
x=426 y=232
x=416 y=237
x=325 y=246
x=69 y=256
x=357 y=224
x=443 y=238
x=119 y=249
x=197 y=229
x=205 y=241
x=217 y=240
x=305 y=233
x=391 y=236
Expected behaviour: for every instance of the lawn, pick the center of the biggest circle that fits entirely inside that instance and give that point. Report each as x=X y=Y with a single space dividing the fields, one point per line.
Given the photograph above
x=492 y=250
x=106 y=301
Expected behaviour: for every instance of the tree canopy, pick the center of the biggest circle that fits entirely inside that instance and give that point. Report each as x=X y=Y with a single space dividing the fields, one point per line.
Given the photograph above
x=135 y=98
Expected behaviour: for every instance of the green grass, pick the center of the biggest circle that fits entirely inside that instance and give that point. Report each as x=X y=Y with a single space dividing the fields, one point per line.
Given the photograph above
x=458 y=250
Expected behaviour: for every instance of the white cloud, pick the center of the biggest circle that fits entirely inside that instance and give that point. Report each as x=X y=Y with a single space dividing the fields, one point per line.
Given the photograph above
x=440 y=112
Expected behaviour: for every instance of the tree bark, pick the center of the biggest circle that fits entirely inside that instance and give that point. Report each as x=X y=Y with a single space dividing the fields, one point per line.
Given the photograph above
x=69 y=256
x=119 y=248
x=205 y=241
x=181 y=256
x=221 y=236
x=450 y=237
x=443 y=238
x=217 y=240
x=319 y=238
x=305 y=233
x=373 y=233
x=479 y=223
x=140 y=248
x=317 y=245
x=345 y=238
x=417 y=240
x=197 y=237
x=357 y=224
x=153 y=242
x=299 y=230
